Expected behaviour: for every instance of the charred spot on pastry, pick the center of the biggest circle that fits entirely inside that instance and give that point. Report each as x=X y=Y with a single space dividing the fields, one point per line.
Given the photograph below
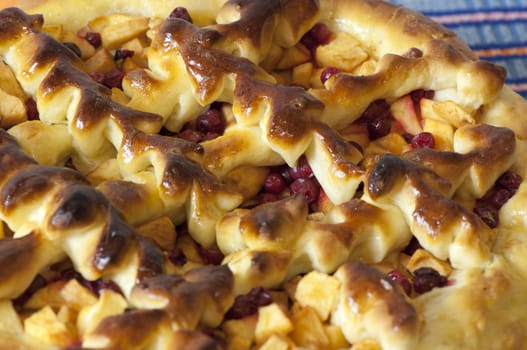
x=14 y=21
x=114 y=243
x=32 y=183
x=385 y=174
x=16 y=251
x=375 y=284
x=151 y=259
x=79 y=206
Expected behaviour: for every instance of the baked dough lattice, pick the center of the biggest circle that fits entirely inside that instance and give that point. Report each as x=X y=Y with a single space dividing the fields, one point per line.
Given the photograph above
x=256 y=174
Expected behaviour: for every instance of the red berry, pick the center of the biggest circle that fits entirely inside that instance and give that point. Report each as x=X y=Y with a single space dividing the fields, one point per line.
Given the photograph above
x=248 y=304
x=306 y=187
x=316 y=36
x=498 y=197
x=426 y=278
x=378 y=127
x=114 y=78
x=274 y=183
x=509 y=180
x=423 y=140
x=94 y=39
x=110 y=79
x=377 y=118
x=302 y=170
x=210 y=256
x=182 y=13
x=210 y=121
x=328 y=73
x=121 y=54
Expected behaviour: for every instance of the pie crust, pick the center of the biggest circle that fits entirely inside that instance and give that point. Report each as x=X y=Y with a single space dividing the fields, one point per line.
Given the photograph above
x=142 y=239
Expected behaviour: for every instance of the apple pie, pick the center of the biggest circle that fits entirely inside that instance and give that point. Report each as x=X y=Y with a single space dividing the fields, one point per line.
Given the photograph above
x=247 y=174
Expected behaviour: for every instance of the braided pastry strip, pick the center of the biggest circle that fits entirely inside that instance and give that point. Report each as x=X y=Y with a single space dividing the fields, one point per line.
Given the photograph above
x=68 y=214
x=285 y=115
x=472 y=186
x=421 y=55
x=367 y=305
x=275 y=241
x=166 y=177
x=443 y=226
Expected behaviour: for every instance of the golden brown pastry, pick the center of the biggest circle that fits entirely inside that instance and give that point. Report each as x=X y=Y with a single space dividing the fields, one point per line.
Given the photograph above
x=256 y=175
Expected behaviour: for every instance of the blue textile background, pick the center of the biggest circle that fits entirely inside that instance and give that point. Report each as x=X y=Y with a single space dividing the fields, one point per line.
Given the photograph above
x=495 y=29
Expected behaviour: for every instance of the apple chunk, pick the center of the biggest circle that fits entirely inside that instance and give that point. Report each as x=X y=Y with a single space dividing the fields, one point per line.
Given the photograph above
x=403 y=110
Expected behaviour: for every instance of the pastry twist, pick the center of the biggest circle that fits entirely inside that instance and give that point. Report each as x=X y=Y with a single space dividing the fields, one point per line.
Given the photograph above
x=166 y=176
x=278 y=121
x=423 y=191
x=269 y=244
x=65 y=214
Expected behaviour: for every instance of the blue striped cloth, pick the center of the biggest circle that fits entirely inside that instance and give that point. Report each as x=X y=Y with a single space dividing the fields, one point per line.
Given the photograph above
x=495 y=29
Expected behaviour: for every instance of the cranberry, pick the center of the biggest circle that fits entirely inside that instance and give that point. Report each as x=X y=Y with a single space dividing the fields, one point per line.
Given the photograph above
x=377 y=118
x=302 y=170
x=498 y=197
x=73 y=47
x=31 y=109
x=94 y=39
x=316 y=36
x=378 y=127
x=399 y=277
x=177 y=257
x=98 y=77
x=110 y=79
x=121 y=54
x=248 y=304
x=487 y=207
x=285 y=171
x=211 y=121
x=274 y=183
x=509 y=180
x=426 y=278
x=423 y=140
x=328 y=73
x=181 y=13
x=210 y=256
x=307 y=187
x=114 y=78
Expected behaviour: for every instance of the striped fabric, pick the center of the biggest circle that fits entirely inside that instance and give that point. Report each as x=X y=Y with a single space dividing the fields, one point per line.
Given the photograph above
x=495 y=29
